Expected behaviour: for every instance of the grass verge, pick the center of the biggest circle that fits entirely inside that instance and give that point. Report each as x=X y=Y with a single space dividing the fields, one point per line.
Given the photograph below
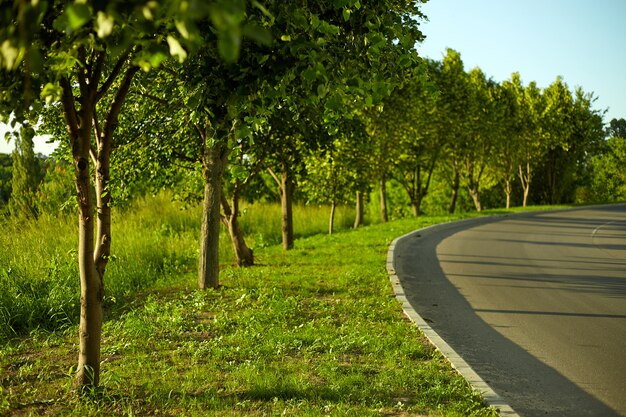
x=311 y=332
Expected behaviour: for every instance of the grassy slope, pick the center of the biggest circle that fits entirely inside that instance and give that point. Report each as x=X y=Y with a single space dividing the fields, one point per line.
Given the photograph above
x=314 y=331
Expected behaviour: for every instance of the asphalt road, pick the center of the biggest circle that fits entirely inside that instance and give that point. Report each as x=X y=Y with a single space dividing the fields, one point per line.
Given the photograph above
x=535 y=303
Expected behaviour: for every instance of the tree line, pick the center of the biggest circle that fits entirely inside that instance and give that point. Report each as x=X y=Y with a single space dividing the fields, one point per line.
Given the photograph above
x=205 y=82
x=231 y=100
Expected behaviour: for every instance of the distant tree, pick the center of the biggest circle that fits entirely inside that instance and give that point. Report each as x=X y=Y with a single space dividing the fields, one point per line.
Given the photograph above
x=412 y=126
x=453 y=104
x=507 y=136
x=478 y=141
x=574 y=130
x=617 y=128
x=6 y=175
x=609 y=177
x=23 y=202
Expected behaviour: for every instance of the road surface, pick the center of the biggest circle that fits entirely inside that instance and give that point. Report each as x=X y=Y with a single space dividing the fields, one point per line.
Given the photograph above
x=535 y=303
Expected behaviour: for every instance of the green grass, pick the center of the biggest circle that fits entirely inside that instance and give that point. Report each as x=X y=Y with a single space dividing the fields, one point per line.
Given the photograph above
x=311 y=332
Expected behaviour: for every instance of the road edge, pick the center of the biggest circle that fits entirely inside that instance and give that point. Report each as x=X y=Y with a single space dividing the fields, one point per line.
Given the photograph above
x=457 y=362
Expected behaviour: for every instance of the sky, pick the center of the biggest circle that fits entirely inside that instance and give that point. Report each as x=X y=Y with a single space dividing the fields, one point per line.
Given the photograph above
x=581 y=40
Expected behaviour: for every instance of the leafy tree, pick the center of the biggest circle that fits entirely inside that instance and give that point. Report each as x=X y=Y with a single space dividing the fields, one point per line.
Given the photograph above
x=507 y=136
x=6 y=175
x=529 y=134
x=609 y=178
x=23 y=203
x=411 y=124
x=451 y=80
x=82 y=59
x=617 y=128
x=574 y=130
x=476 y=144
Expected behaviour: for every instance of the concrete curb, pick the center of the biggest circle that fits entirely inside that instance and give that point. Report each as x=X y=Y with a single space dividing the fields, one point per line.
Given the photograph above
x=462 y=367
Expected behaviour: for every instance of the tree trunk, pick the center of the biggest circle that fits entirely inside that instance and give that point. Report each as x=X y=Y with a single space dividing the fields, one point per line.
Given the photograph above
x=475 y=198
x=93 y=249
x=331 y=222
x=243 y=253
x=455 y=193
x=212 y=171
x=508 y=190
x=415 y=206
x=91 y=285
x=525 y=180
x=358 y=219
x=384 y=217
x=286 y=205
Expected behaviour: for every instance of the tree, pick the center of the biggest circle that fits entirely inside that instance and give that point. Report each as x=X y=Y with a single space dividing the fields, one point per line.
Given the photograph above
x=529 y=133
x=82 y=58
x=23 y=203
x=617 y=128
x=452 y=83
x=609 y=178
x=507 y=136
x=476 y=144
x=6 y=175
x=411 y=125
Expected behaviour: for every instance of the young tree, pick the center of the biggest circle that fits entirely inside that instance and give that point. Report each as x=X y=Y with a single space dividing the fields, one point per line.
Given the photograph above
x=82 y=59
x=617 y=128
x=451 y=80
x=24 y=184
x=529 y=133
x=411 y=126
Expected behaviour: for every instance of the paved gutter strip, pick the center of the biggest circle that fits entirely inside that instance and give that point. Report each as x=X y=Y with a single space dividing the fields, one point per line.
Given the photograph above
x=462 y=367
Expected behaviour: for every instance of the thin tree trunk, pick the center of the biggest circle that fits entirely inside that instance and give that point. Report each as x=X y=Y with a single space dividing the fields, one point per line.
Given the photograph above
x=358 y=219
x=212 y=171
x=476 y=198
x=286 y=204
x=525 y=179
x=383 y=200
x=455 y=193
x=243 y=253
x=93 y=245
x=331 y=222
x=91 y=285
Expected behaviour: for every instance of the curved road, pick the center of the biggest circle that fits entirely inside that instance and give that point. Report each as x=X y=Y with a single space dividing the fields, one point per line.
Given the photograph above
x=535 y=303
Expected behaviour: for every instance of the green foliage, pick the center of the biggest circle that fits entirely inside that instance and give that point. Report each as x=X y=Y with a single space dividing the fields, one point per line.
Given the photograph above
x=24 y=176
x=609 y=177
x=6 y=174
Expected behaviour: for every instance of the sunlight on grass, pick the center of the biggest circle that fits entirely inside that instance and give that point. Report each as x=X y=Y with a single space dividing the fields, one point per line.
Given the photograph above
x=309 y=332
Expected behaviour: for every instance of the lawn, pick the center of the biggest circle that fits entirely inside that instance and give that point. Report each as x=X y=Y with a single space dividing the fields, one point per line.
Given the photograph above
x=315 y=331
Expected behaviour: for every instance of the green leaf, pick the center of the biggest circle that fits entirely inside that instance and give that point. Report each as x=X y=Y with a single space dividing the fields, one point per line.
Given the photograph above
x=228 y=44
x=346 y=14
x=51 y=93
x=11 y=55
x=309 y=74
x=176 y=49
x=258 y=34
x=104 y=24
x=77 y=15
x=285 y=38
x=334 y=103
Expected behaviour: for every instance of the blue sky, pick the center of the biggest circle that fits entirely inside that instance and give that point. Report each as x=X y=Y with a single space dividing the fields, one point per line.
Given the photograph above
x=583 y=41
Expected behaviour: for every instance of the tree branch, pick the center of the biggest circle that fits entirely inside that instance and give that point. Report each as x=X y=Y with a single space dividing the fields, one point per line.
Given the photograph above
x=69 y=110
x=114 y=73
x=97 y=69
x=274 y=176
x=155 y=98
x=116 y=107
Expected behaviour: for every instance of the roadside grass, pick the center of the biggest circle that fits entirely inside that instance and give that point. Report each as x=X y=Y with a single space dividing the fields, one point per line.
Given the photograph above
x=310 y=332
